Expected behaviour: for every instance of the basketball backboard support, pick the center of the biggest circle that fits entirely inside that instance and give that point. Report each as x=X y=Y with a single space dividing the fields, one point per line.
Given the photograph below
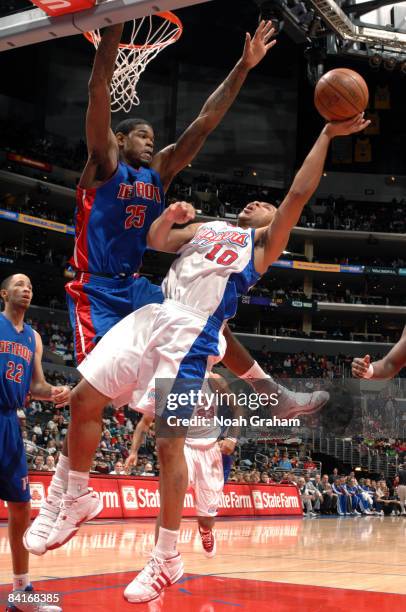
x=33 y=26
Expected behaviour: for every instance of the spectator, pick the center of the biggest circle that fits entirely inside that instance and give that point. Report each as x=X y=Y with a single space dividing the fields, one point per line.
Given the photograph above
x=284 y=462
x=49 y=464
x=118 y=468
x=307 y=498
x=39 y=463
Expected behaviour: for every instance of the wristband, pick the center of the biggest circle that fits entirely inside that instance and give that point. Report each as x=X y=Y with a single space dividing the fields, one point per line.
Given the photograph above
x=370 y=372
x=254 y=372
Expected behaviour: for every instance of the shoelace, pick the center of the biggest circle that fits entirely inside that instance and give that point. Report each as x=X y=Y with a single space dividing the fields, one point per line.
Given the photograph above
x=152 y=569
x=64 y=517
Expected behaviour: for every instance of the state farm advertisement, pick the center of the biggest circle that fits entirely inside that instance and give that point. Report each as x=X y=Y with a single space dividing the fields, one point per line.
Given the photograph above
x=139 y=497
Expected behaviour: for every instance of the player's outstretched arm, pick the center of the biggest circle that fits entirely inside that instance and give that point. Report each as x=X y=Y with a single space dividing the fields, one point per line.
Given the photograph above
x=162 y=236
x=141 y=429
x=39 y=387
x=101 y=144
x=271 y=241
x=385 y=368
x=175 y=157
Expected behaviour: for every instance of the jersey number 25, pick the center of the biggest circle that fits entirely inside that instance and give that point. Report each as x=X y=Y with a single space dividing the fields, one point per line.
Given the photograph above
x=136 y=216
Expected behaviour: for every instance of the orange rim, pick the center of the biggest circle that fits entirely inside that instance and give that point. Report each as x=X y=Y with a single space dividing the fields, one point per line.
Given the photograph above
x=169 y=16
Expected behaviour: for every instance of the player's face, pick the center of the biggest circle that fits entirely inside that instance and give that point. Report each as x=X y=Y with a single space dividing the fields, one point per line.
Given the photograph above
x=19 y=292
x=138 y=146
x=256 y=214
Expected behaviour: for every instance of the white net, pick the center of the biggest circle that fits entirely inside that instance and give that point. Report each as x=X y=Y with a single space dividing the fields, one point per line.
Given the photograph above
x=156 y=32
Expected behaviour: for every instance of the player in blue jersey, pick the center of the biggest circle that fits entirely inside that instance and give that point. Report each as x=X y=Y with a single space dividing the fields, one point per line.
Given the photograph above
x=121 y=192
x=21 y=374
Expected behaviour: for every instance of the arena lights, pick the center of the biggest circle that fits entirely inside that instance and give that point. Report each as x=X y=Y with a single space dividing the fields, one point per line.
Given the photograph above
x=342 y=25
x=389 y=63
x=375 y=61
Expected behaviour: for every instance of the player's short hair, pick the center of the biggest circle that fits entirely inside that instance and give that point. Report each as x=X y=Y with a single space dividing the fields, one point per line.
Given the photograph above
x=6 y=282
x=127 y=125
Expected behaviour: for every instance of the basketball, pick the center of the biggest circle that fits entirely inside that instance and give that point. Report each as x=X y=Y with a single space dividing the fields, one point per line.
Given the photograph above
x=341 y=94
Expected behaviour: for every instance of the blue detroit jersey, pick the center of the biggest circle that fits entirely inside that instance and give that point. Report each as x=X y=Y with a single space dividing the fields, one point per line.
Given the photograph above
x=17 y=350
x=112 y=221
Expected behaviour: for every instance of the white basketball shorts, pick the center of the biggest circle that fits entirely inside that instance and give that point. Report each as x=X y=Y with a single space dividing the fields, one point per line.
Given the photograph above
x=206 y=477
x=159 y=341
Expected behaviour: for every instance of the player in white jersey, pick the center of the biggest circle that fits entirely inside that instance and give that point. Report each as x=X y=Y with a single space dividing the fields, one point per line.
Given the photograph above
x=174 y=340
x=204 y=458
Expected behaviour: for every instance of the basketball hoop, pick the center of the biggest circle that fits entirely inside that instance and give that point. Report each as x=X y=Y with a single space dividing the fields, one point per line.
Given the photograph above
x=132 y=59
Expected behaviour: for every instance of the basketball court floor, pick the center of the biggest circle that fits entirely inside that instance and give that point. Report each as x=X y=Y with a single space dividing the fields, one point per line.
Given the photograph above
x=278 y=565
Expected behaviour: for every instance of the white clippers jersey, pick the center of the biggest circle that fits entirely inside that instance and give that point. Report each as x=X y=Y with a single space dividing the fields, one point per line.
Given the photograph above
x=212 y=268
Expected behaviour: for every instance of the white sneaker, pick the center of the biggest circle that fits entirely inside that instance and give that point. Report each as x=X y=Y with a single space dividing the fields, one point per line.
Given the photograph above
x=208 y=542
x=74 y=512
x=356 y=513
x=151 y=581
x=36 y=536
x=291 y=404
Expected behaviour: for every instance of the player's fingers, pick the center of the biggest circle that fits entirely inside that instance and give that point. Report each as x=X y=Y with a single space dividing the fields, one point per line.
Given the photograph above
x=269 y=30
x=358 y=371
x=269 y=35
x=260 y=27
x=271 y=44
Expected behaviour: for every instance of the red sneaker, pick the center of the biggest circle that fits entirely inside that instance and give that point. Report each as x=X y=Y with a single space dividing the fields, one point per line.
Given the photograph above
x=208 y=542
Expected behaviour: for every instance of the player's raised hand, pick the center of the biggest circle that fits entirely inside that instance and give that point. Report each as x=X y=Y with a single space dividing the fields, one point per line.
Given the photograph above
x=180 y=212
x=60 y=396
x=349 y=126
x=130 y=462
x=360 y=365
x=256 y=48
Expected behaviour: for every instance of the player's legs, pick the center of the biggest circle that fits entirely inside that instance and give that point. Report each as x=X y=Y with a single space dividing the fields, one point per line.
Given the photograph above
x=208 y=488
x=180 y=357
x=85 y=429
x=173 y=482
x=78 y=503
x=109 y=373
x=19 y=514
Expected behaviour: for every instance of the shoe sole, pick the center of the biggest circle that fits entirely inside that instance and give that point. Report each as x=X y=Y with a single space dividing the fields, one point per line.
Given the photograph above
x=178 y=576
x=305 y=412
x=71 y=535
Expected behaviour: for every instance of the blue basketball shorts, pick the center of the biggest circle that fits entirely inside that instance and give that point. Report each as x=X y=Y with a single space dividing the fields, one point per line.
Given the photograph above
x=13 y=463
x=96 y=304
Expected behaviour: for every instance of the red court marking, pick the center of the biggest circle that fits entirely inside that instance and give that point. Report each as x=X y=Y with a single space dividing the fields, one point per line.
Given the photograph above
x=104 y=592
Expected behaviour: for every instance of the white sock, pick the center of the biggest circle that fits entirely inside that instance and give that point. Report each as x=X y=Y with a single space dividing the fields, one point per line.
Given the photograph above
x=254 y=377
x=78 y=483
x=20 y=581
x=254 y=372
x=59 y=482
x=165 y=547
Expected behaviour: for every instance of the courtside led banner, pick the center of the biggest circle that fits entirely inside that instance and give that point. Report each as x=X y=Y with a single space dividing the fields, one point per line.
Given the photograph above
x=125 y=497
x=46 y=224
